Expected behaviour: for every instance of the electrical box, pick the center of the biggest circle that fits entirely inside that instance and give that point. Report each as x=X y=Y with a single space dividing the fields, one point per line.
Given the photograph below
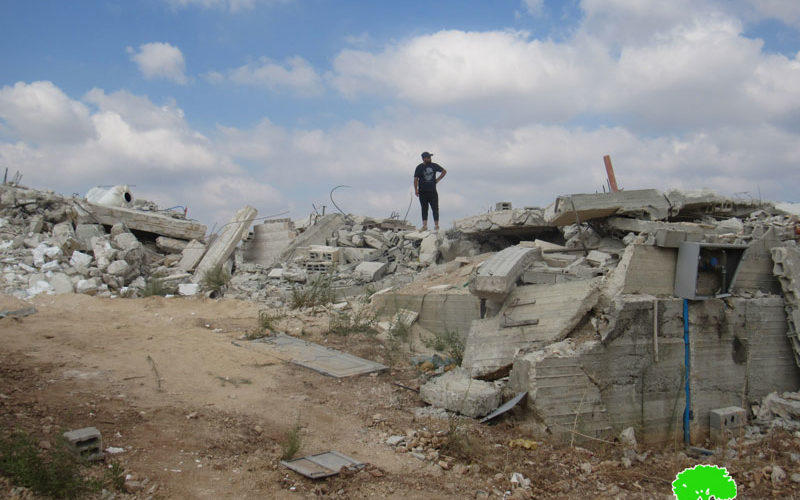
x=706 y=270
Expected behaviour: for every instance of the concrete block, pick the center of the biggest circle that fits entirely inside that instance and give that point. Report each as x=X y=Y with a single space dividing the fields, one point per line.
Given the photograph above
x=371 y=271
x=61 y=283
x=429 y=249
x=457 y=392
x=86 y=443
x=727 y=423
x=275 y=273
x=118 y=268
x=87 y=286
x=323 y=253
x=353 y=255
x=188 y=289
x=318 y=267
x=126 y=241
x=502 y=205
x=498 y=274
x=85 y=232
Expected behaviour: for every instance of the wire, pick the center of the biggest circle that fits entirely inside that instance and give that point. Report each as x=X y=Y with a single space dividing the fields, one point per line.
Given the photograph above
x=331 y=197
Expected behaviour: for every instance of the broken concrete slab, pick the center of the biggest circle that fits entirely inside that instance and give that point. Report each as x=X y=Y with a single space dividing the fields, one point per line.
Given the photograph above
x=532 y=317
x=456 y=391
x=649 y=204
x=322 y=465
x=518 y=221
x=191 y=255
x=151 y=222
x=498 y=274
x=222 y=247
x=313 y=356
x=170 y=245
x=452 y=310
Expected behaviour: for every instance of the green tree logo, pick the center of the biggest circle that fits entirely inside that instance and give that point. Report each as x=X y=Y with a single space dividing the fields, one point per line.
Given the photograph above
x=703 y=482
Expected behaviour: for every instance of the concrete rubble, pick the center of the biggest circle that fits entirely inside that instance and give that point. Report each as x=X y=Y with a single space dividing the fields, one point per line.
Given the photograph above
x=575 y=304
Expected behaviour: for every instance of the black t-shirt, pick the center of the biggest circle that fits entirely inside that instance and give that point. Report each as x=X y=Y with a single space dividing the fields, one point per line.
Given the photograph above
x=427 y=176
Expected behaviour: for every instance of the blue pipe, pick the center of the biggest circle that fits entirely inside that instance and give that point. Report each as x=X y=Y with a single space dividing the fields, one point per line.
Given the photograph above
x=687 y=412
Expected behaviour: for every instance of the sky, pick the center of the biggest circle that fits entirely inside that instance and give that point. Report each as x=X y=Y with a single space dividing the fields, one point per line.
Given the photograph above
x=215 y=104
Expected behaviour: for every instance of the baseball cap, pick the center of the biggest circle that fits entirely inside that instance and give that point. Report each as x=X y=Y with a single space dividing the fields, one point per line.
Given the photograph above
x=426 y=154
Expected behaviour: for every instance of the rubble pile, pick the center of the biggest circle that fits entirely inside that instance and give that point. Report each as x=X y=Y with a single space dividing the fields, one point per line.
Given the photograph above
x=49 y=244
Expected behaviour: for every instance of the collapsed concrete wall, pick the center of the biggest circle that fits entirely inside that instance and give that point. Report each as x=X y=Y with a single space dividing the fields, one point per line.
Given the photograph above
x=635 y=377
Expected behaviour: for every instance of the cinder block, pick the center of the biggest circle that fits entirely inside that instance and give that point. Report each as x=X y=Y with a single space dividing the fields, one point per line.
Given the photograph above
x=726 y=422
x=318 y=267
x=502 y=205
x=323 y=253
x=85 y=443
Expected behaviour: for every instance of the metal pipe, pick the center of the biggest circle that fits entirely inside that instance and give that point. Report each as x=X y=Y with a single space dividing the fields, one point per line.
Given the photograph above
x=687 y=412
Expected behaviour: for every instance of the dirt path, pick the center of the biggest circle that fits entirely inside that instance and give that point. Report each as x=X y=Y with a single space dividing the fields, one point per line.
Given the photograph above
x=200 y=417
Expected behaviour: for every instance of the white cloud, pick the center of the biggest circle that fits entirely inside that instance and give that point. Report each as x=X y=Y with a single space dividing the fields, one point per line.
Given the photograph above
x=296 y=75
x=230 y=5
x=160 y=60
x=679 y=66
x=41 y=112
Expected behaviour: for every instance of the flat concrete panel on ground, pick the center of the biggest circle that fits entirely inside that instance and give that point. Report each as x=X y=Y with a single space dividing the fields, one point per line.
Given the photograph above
x=314 y=356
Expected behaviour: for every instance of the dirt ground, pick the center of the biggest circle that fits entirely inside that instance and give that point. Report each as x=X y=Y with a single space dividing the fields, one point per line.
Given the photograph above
x=199 y=417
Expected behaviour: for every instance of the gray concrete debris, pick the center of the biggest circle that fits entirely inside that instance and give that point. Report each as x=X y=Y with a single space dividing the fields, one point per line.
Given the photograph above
x=505 y=222
x=649 y=204
x=371 y=271
x=457 y=392
x=222 y=247
x=498 y=275
x=787 y=270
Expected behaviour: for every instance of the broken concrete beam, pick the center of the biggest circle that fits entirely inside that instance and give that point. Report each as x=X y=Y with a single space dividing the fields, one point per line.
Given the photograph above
x=497 y=275
x=222 y=248
x=170 y=245
x=191 y=255
x=644 y=203
x=517 y=221
x=556 y=309
x=456 y=391
x=139 y=220
x=370 y=271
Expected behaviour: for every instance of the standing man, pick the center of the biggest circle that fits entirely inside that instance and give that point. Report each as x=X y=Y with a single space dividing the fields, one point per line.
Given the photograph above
x=425 y=181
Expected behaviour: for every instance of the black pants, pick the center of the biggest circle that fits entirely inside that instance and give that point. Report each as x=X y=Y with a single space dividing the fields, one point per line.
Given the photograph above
x=429 y=198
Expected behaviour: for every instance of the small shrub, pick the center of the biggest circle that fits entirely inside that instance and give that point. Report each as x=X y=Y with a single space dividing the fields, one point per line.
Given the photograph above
x=460 y=443
x=316 y=293
x=361 y=321
x=156 y=286
x=216 y=279
x=267 y=324
x=291 y=443
x=449 y=343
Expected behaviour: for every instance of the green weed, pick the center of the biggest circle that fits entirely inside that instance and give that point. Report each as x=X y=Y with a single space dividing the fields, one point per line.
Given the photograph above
x=216 y=279
x=267 y=324
x=359 y=321
x=316 y=293
x=449 y=343
x=57 y=474
x=291 y=443
x=156 y=286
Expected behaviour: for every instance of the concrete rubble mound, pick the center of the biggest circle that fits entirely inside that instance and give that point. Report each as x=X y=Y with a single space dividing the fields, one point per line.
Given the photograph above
x=590 y=305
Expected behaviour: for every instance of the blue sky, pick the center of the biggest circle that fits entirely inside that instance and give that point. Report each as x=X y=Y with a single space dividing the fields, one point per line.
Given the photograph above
x=213 y=104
